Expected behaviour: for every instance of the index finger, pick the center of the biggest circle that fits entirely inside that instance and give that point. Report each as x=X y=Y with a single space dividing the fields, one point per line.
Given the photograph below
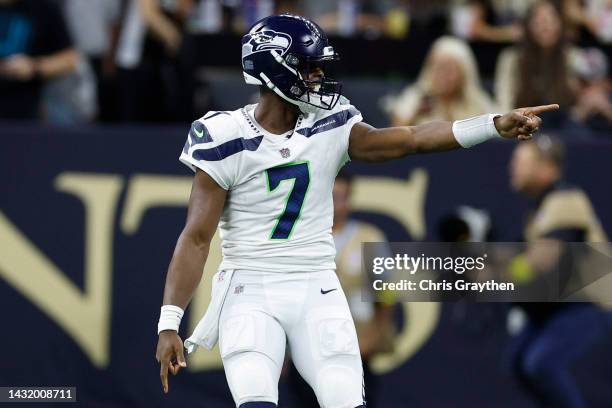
x=536 y=110
x=163 y=373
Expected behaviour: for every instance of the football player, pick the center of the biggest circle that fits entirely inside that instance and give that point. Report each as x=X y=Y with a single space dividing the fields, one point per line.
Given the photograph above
x=264 y=175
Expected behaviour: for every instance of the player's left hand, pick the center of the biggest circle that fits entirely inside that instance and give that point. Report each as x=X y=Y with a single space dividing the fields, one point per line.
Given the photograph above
x=169 y=355
x=522 y=123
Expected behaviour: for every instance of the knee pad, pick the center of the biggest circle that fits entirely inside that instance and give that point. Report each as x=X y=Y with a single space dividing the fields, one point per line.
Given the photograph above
x=340 y=386
x=252 y=377
x=252 y=348
x=338 y=373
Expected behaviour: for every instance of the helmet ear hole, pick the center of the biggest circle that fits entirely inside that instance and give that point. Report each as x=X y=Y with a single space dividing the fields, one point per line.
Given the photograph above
x=292 y=60
x=295 y=90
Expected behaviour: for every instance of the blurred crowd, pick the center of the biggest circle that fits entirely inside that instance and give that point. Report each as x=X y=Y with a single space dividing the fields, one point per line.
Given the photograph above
x=80 y=61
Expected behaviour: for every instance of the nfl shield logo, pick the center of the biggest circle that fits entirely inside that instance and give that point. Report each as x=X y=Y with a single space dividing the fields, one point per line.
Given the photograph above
x=238 y=289
x=284 y=152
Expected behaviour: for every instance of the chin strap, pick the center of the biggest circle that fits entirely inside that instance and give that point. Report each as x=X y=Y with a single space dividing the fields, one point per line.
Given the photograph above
x=304 y=107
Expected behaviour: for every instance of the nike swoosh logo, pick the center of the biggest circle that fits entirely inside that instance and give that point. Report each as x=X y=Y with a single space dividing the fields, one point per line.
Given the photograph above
x=199 y=133
x=325 y=292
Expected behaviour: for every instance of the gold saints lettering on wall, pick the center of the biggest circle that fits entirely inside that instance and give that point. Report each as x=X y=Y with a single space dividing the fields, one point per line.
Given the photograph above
x=85 y=315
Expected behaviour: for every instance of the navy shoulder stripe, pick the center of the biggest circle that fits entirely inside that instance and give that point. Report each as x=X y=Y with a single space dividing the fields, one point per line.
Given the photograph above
x=330 y=122
x=227 y=149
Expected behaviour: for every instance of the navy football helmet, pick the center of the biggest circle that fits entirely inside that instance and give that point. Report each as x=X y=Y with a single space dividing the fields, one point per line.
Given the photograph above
x=280 y=51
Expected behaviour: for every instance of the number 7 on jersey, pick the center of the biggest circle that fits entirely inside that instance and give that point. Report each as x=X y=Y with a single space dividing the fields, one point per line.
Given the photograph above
x=300 y=174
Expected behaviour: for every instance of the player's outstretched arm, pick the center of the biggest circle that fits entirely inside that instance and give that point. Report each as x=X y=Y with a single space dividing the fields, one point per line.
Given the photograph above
x=370 y=144
x=185 y=271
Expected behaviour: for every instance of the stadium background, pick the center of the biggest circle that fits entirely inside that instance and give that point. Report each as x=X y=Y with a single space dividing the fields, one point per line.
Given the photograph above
x=91 y=207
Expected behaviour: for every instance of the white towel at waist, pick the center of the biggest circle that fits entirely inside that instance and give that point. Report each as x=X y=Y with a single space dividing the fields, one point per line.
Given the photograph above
x=206 y=333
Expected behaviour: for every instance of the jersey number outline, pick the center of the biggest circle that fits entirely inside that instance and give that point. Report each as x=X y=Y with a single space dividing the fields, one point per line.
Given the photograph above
x=299 y=172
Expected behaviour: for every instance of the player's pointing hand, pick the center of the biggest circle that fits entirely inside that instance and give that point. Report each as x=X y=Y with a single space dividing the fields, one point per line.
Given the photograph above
x=522 y=123
x=170 y=355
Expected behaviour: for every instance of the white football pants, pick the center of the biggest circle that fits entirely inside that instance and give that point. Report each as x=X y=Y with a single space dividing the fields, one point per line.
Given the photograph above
x=262 y=311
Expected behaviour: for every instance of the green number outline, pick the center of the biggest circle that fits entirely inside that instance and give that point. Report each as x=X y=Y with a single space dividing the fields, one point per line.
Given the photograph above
x=307 y=162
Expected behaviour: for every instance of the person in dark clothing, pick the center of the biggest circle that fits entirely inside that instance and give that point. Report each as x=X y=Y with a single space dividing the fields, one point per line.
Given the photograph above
x=154 y=60
x=556 y=333
x=34 y=46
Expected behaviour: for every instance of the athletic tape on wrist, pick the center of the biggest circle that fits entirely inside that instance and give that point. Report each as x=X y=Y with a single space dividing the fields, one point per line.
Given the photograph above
x=169 y=318
x=476 y=130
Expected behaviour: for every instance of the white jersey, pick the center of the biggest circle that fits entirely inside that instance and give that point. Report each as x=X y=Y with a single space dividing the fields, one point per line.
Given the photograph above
x=279 y=210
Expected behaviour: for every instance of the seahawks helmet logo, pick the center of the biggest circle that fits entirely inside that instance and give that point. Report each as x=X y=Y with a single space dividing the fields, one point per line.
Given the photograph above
x=265 y=40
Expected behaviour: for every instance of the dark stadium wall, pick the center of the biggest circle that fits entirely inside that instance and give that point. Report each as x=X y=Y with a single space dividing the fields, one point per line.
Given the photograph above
x=88 y=222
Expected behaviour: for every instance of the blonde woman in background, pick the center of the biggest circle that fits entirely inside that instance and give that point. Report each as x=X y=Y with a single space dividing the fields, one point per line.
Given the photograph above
x=448 y=87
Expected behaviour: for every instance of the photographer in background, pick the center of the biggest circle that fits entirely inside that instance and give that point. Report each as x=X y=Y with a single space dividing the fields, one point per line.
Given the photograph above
x=34 y=46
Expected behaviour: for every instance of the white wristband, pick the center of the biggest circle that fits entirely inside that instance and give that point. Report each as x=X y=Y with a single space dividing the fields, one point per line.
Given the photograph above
x=472 y=131
x=169 y=318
